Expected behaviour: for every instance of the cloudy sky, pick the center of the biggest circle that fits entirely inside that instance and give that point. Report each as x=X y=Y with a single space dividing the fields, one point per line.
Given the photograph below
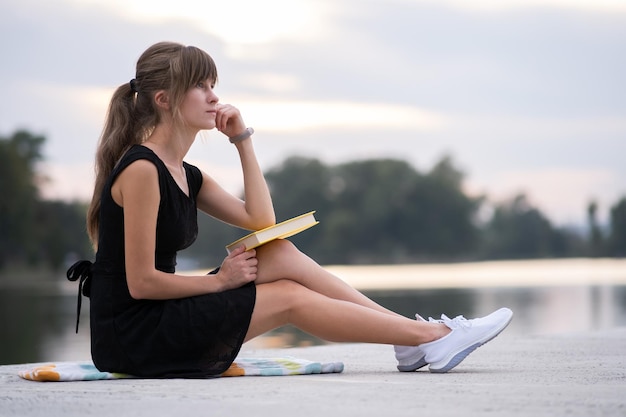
x=525 y=95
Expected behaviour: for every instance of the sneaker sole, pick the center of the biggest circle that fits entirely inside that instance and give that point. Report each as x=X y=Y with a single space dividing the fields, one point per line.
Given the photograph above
x=458 y=358
x=414 y=366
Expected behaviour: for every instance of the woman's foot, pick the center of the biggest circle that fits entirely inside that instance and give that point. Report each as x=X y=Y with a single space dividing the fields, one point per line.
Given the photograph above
x=447 y=352
x=465 y=337
x=410 y=358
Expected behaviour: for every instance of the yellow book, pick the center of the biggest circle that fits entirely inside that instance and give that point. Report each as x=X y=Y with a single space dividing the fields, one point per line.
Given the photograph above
x=280 y=230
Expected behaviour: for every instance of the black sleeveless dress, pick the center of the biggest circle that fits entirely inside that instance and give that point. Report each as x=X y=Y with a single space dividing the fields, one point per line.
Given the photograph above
x=188 y=337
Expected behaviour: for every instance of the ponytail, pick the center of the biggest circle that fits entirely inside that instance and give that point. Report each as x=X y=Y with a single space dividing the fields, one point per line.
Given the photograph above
x=118 y=135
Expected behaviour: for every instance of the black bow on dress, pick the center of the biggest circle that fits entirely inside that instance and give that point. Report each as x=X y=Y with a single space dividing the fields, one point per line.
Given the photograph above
x=81 y=271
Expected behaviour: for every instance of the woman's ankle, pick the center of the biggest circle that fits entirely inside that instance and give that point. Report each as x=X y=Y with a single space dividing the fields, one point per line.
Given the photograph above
x=439 y=330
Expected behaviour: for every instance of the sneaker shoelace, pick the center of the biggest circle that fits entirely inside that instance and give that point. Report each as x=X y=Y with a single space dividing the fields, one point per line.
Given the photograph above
x=455 y=323
x=459 y=322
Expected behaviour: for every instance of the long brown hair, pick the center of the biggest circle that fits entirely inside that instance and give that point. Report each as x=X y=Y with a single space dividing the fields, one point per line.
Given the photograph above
x=133 y=115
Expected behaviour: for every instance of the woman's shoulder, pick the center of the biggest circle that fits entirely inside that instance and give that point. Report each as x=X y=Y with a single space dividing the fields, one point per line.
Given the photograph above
x=139 y=159
x=136 y=153
x=139 y=152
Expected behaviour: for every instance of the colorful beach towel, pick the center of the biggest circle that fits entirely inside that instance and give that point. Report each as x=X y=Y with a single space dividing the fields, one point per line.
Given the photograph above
x=86 y=371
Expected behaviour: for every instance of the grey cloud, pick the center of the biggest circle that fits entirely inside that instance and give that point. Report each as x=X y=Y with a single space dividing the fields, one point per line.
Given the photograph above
x=535 y=62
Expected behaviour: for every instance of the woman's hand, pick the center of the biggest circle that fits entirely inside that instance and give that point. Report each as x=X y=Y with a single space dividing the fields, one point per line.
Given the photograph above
x=238 y=268
x=229 y=121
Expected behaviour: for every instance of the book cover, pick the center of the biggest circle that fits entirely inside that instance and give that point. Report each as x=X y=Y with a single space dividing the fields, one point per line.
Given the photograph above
x=280 y=230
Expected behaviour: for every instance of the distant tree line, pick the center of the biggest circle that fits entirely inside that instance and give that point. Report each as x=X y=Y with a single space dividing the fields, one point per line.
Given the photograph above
x=384 y=211
x=372 y=211
x=34 y=232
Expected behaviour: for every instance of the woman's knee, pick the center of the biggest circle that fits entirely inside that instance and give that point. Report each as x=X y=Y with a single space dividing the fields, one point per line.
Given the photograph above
x=284 y=293
x=290 y=289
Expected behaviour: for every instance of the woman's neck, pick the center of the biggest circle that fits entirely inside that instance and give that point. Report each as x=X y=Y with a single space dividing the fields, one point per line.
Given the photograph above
x=170 y=144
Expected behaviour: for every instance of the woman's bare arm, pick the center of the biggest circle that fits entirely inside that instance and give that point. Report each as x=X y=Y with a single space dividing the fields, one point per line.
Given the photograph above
x=256 y=211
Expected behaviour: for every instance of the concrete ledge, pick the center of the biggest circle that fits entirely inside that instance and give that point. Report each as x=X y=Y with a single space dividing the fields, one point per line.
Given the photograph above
x=564 y=375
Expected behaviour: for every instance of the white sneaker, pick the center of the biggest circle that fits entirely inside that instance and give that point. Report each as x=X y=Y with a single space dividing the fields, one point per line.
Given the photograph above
x=466 y=336
x=410 y=358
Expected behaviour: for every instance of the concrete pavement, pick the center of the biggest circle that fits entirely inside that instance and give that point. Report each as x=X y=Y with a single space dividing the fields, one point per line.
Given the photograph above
x=556 y=375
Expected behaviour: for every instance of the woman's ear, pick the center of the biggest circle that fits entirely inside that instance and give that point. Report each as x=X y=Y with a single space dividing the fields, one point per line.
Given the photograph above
x=162 y=100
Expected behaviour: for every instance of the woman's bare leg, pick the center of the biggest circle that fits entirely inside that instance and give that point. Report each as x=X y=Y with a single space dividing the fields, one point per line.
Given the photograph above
x=280 y=259
x=287 y=302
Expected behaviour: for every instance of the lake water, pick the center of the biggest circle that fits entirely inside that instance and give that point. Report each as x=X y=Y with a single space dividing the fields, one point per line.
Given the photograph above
x=548 y=297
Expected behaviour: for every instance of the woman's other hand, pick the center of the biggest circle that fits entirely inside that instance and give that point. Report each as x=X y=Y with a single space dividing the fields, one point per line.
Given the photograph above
x=238 y=268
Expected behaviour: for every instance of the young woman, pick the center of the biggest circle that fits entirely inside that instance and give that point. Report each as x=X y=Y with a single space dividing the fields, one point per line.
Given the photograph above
x=148 y=321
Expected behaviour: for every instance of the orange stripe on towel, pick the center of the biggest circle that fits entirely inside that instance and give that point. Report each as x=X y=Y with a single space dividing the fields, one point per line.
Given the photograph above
x=234 y=370
x=42 y=373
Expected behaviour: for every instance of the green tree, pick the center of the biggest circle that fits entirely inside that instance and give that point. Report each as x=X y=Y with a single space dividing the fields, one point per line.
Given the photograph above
x=518 y=230
x=62 y=234
x=377 y=211
x=596 y=240
x=617 y=238
x=19 y=154
x=300 y=185
x=442 y=215
x=363 y=225
x=35 y=232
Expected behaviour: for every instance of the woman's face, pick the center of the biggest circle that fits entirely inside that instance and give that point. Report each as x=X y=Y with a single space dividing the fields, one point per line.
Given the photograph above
x=199 y=106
